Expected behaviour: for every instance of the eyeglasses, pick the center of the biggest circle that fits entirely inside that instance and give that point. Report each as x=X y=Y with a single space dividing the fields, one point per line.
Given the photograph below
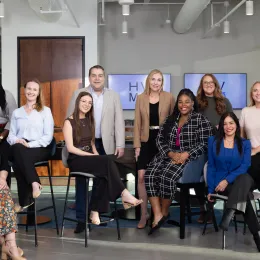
x=208 y=83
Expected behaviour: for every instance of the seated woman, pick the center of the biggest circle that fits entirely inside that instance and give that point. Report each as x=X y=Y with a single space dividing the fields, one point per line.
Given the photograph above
x=79 y=134
x=228 y=163
x=8 y=226
x=31 y=132
x=181 y=139
x=7 y=106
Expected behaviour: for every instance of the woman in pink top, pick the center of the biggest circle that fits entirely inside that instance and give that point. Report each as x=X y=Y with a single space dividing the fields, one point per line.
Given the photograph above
x=250 y=128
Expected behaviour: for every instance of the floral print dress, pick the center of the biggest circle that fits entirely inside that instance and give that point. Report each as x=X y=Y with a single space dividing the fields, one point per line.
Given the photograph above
x=8 y=221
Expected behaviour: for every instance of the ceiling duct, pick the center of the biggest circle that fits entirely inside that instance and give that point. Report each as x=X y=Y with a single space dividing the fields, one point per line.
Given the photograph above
x=188 y=14
x=48 y=10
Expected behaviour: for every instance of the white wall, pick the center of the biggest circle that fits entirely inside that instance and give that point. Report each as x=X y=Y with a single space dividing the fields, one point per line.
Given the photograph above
x=20 y=20
x=148 y=45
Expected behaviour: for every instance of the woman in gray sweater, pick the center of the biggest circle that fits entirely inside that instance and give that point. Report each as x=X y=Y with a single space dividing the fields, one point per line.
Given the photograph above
x=212 y=104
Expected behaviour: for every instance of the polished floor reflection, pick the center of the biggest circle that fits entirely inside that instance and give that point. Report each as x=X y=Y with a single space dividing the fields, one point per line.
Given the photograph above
x=135 y=244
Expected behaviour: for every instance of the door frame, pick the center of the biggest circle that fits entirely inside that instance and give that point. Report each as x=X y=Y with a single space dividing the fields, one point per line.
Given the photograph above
x=47 y=38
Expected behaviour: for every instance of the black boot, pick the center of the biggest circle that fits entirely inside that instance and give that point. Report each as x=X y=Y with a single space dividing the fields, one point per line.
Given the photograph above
x=257 y=240
x=228 y=215
x=80 y=228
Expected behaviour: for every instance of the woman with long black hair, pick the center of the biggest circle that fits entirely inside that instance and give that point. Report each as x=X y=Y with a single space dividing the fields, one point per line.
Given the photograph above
x=229 y=158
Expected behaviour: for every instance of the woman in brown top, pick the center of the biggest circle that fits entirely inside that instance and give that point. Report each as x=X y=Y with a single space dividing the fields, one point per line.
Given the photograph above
x=79 y=134
x=151 y=109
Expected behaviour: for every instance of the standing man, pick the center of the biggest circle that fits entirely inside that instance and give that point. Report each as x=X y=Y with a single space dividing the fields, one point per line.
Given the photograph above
x=109 y=129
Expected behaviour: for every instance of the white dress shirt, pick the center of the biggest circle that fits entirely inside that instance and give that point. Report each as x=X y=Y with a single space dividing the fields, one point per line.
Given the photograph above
x=98 y=101
x=37 y=127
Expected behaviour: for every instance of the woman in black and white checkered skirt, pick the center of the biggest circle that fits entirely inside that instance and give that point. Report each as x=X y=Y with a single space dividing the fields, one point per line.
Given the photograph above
x=181 y=139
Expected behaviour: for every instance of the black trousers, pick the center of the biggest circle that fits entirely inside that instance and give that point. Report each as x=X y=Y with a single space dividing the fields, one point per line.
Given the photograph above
x=104 y=168
x=240 y=198
x=4 y=166
x=23 y=160
x=254 y=169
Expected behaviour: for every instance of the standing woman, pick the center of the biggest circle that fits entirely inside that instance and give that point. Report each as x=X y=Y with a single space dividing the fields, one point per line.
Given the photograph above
x=250 y=128
x=213 y=105
x=31 y=133
x=151 y=109
x=212 y=102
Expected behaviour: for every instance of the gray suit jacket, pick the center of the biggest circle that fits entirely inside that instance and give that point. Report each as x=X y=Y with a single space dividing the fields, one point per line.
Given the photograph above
x=112 y=123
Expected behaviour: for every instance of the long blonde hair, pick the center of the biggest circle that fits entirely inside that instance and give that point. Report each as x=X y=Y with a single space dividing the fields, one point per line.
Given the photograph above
x=252 y=102
x=40 y=99
x=147 y=82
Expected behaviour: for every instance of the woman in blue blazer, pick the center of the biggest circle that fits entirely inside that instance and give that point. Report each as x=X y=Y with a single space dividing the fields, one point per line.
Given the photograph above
x=229 y=157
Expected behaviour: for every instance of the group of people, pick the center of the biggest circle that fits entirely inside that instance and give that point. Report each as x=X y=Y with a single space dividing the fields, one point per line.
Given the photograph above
x=168 y=136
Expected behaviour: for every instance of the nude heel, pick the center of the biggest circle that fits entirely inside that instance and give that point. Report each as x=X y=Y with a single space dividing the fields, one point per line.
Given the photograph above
x=4 y=256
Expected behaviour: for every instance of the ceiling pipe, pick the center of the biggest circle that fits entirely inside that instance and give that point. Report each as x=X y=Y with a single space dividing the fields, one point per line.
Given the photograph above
x=188 y=14
x=224 y=18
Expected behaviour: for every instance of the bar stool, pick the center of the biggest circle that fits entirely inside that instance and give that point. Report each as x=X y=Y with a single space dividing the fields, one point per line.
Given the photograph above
x=32 y=210
x=185 y=183
x=87 y=177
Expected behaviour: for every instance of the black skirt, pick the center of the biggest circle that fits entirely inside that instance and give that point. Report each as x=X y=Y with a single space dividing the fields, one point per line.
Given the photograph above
x=148 y=150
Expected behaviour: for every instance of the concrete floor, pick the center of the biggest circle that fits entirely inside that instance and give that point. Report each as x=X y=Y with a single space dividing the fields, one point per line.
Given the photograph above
x=135 y=244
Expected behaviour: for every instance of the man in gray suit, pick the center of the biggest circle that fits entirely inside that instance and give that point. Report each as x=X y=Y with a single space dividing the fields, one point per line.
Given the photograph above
x=109 y=128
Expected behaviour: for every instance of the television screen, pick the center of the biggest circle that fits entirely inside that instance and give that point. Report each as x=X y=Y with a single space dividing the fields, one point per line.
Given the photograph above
x=128 y=86
x=233 y=86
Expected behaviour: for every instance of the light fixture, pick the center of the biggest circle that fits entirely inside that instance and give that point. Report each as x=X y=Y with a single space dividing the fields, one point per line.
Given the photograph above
x=226 y=23
x=168 y=20
x=125 y=10
x=126 y=6
x=2 y=9
x=124 y=27
x=226 y=26
x=249 y=7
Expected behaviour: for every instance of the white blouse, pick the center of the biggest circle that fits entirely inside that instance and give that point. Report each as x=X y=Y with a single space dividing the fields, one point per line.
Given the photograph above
x=37 y=127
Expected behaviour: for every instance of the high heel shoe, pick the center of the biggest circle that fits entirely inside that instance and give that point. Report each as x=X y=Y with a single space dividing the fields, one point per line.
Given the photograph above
x=93 y=220
x=146 y=223
x=228 y=215
x=158 y=225
x=20 y=251
x=7 y=253
x=18 y=208
x=37 y=193
x=128 y=205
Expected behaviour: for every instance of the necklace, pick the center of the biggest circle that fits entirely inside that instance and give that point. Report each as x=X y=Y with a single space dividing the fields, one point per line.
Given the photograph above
x=229 y=142
x=82 y=122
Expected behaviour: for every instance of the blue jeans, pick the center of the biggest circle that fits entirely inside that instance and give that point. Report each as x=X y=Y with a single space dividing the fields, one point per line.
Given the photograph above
x=81 y=187
x=193 y=171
